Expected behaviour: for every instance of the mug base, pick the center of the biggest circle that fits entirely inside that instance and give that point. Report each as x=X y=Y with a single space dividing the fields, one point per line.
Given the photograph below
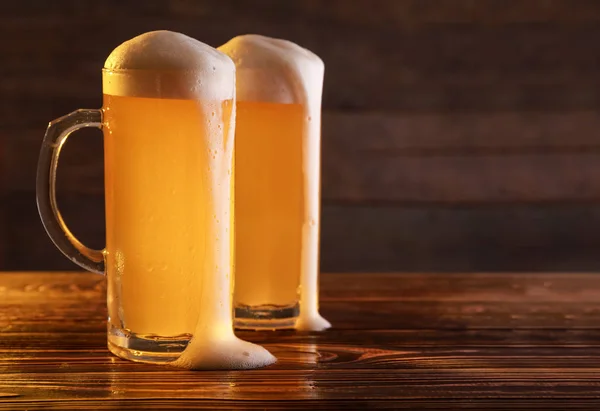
x=145 y=348
x=265 y=317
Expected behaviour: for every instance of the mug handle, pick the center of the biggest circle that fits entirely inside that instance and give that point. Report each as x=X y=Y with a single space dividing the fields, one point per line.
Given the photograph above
x=56 y=135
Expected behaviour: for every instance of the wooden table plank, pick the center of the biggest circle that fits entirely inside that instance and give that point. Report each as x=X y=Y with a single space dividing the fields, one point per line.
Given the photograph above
x=498 y=287
x=400 y=341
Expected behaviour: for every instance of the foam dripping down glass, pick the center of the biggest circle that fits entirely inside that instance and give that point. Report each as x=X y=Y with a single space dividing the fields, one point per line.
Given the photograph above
x=168 y=120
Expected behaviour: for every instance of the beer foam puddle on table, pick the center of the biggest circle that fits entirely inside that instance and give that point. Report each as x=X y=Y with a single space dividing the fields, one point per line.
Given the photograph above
x=168 y=65
x=279 y=71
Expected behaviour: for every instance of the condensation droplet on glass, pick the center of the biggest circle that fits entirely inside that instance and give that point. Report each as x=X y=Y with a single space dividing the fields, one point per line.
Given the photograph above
x=120 y=262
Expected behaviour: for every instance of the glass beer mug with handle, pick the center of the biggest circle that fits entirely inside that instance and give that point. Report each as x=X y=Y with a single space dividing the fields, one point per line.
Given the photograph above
x=168 y=121
x=278 y=152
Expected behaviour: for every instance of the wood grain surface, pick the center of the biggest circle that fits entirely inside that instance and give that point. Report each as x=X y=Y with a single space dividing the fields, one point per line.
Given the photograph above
x=400 y=341
x=448 y=109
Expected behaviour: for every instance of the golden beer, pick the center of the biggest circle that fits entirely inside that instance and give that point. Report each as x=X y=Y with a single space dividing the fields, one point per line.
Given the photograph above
x=269 y=204
x=158 y=210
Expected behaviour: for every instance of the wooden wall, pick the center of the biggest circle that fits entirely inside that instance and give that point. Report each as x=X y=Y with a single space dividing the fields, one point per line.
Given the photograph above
x=457 y=134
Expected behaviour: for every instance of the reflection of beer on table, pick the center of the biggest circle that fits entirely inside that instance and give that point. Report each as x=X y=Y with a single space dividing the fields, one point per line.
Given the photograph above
x=169 y=113
x=279 y=87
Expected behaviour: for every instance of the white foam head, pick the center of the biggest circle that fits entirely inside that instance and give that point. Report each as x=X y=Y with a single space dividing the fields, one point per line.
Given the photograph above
x=165 y=64
x=275 y=70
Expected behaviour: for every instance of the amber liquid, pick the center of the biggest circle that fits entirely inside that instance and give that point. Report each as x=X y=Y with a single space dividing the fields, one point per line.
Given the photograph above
x=160 y=157
x=269 y=203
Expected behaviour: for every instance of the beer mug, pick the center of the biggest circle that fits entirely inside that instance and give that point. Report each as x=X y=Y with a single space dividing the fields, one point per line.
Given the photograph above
x=168 y=127
x=278 y=137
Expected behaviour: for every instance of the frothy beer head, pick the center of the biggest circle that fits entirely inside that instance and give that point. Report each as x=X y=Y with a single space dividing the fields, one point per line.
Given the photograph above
x=275 y=70
x=165 y=64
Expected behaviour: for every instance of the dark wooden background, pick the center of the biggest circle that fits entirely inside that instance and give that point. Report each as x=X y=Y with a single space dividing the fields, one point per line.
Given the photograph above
x=458 y=135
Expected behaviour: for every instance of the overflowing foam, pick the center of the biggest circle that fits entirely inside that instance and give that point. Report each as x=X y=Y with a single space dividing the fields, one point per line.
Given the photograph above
x=275 y=71
x=165 y=64
x=228 y=354
x=279 y=71
x=214 y=345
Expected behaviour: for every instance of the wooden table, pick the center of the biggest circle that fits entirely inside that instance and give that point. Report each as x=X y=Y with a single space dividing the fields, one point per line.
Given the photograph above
x=401 y=341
